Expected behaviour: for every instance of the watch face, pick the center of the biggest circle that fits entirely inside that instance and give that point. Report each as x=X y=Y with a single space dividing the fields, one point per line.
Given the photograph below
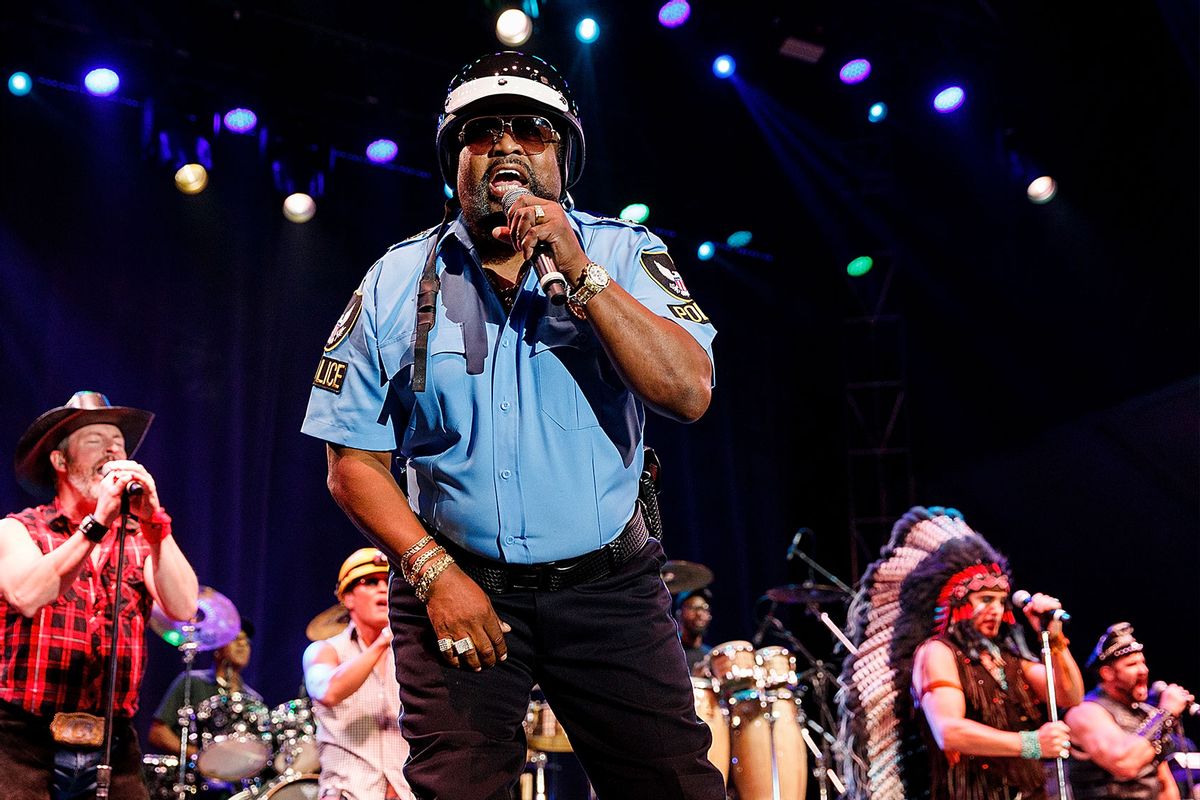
x=597 y=277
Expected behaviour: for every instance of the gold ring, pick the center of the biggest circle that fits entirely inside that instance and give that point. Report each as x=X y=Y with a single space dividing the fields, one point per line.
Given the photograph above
x=539 y=214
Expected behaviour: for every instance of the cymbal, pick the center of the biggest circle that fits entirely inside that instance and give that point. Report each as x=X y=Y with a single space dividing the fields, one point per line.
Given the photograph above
x=329 y=622
x=217 y=622
x=817 y=593
x=685 y=576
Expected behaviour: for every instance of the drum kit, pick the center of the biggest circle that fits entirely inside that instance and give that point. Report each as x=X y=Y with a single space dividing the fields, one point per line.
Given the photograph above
x=239 y=744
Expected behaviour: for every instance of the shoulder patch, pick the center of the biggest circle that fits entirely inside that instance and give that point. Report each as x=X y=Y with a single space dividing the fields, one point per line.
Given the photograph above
x=690 y=312
x=331 y=373
x=346 y=321
x=661 y=268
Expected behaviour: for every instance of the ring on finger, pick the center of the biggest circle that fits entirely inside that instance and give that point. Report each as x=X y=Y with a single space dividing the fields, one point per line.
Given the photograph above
x=463 y=646
x=539 y=214
x=445 y=645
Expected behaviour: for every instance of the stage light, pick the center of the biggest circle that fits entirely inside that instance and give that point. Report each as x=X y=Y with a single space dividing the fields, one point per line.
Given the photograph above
x=191 y=178
x=724 y=66
x=20 y=84
x=877 y=112
x=674 y=13
x=587 y=31
x=299 y=207
x=240 y=120
x=706 y=251
x=514 y=27
x=859 y=266
x=381 y=151
x=1042 y=190
x=446 y=190
x=739 y=238
x=636 y=212
x=949 y=99
x=855 y=71
x=102 y=82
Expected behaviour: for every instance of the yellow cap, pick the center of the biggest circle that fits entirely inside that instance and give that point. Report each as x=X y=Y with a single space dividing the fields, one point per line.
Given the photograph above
x=364 y=561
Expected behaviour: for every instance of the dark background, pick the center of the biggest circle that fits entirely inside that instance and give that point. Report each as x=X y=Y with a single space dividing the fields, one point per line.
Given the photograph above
x=1044 y=357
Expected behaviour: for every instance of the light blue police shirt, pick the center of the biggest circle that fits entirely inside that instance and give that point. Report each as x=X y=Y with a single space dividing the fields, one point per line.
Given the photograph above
x=525 y=446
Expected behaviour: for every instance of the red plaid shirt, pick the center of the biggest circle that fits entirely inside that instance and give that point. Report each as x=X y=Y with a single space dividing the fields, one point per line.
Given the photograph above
x=55 y=661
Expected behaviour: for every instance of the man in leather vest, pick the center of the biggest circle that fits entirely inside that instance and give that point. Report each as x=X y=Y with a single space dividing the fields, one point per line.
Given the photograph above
x=1121 y=742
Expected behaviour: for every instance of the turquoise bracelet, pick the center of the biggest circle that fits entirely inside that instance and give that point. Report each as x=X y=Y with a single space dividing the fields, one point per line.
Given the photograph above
x=1031 y=746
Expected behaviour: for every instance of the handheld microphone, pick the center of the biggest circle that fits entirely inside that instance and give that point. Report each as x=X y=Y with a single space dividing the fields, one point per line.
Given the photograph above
x=1022 y=598
x=553 y=283
x=1158 y=687
x=132 y=489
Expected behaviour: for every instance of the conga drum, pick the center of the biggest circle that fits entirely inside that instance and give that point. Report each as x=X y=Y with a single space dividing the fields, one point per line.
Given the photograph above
x=708 y=709
x=754 y=725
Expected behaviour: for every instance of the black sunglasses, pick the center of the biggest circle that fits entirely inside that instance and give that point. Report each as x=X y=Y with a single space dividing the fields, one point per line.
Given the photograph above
x=532 y=133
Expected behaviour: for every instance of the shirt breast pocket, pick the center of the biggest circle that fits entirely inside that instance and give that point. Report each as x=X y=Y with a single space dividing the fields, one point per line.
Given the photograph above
x=445 y=375
x=567 y=374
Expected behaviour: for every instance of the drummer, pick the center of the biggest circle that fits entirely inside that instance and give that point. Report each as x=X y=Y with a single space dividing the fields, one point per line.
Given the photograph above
x=351 y=679
x=224 y=677
x=693 y=614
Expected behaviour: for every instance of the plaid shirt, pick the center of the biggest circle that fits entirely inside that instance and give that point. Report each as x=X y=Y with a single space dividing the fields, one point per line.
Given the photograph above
x=56 y=660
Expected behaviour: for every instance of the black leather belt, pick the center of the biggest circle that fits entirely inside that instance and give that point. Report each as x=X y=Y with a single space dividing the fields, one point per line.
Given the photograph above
x=497 y=578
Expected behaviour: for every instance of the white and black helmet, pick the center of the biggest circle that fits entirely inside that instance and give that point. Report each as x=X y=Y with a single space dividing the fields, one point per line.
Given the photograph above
x=506 y=82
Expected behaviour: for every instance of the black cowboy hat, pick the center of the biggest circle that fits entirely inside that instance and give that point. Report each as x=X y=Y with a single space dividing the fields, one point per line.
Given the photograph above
x=31 y=463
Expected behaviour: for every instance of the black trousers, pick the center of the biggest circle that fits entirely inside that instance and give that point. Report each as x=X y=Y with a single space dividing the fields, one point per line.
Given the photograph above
x=608 y=659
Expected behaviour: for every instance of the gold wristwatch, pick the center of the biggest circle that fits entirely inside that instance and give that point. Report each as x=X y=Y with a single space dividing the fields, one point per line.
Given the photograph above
x=593 y=281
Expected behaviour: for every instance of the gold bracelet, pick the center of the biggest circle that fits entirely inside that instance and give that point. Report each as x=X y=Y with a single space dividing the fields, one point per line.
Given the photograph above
x=415 y=569
x=412 y=551
x=421 y=590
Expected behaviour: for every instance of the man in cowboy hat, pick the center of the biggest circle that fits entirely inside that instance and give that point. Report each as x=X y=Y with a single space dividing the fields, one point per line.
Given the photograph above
x=58 y=579
x=351 y=679
x=1121 y=741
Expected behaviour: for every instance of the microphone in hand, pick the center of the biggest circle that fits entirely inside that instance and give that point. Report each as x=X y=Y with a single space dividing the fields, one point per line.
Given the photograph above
x=553 y=283
x=1022 y=598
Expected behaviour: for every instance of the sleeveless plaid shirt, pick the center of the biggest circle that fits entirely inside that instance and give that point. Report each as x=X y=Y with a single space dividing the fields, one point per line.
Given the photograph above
x=55 y=660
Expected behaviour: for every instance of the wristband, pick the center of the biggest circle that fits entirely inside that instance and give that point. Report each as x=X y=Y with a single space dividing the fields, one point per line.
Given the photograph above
x=1031 y=746
x=92 y=529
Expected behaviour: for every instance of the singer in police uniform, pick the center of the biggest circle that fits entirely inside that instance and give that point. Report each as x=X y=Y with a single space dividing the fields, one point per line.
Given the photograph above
x=520 y=423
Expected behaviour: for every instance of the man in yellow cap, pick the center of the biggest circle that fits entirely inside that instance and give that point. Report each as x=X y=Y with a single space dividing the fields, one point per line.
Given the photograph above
x=351 y=679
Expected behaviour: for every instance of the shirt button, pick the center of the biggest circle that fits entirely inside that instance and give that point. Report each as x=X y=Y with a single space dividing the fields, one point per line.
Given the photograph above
x=505 y=474
x=504 y=406
x=504 y=342
x=509 y=540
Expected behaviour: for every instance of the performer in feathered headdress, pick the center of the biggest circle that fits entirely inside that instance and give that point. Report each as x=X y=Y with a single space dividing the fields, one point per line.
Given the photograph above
x=944 y=698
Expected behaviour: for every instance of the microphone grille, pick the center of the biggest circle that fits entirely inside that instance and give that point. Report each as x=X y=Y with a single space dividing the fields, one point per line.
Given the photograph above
x=1020 y=597
x=511 y=196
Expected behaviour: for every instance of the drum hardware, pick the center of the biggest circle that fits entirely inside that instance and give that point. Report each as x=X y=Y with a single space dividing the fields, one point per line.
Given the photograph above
x=216 y=624
x=685 y=576
x=234 y=735
x=545 y=736
x=292 y=786
x=295 y=732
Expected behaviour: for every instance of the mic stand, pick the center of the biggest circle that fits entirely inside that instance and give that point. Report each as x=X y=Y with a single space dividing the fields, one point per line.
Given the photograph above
x=1052 y=701
x=188 y=648
x=819 y=681
x=807 y=559
x=104 y=768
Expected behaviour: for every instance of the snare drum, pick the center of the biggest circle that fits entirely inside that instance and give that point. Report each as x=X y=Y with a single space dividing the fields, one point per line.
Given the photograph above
x=543 y=731
x=777 y=670
x=295 y=733
x=708 y=709
x=733 y=670
x=753 y=728
x=234 y=737
x=294 y=786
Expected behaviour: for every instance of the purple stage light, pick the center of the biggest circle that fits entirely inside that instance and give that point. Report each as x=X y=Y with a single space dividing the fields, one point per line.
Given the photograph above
x=949 y=99
x=674 y=13
x=382 y=151
x=240 y=120
x=101 y=82
x=855 y=71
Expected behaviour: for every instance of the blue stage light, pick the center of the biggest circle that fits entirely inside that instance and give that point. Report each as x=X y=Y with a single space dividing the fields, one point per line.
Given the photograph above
x=739 y=239
x=446 y=190
x=587 y=31
x=20 y=84
x=855 y=71
x=381 y=151
x=240 y=120
x=706 y=251
x=949 y=99
x=877 y=112
x=674 y=13
x=724 y=66
x=102 y=82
